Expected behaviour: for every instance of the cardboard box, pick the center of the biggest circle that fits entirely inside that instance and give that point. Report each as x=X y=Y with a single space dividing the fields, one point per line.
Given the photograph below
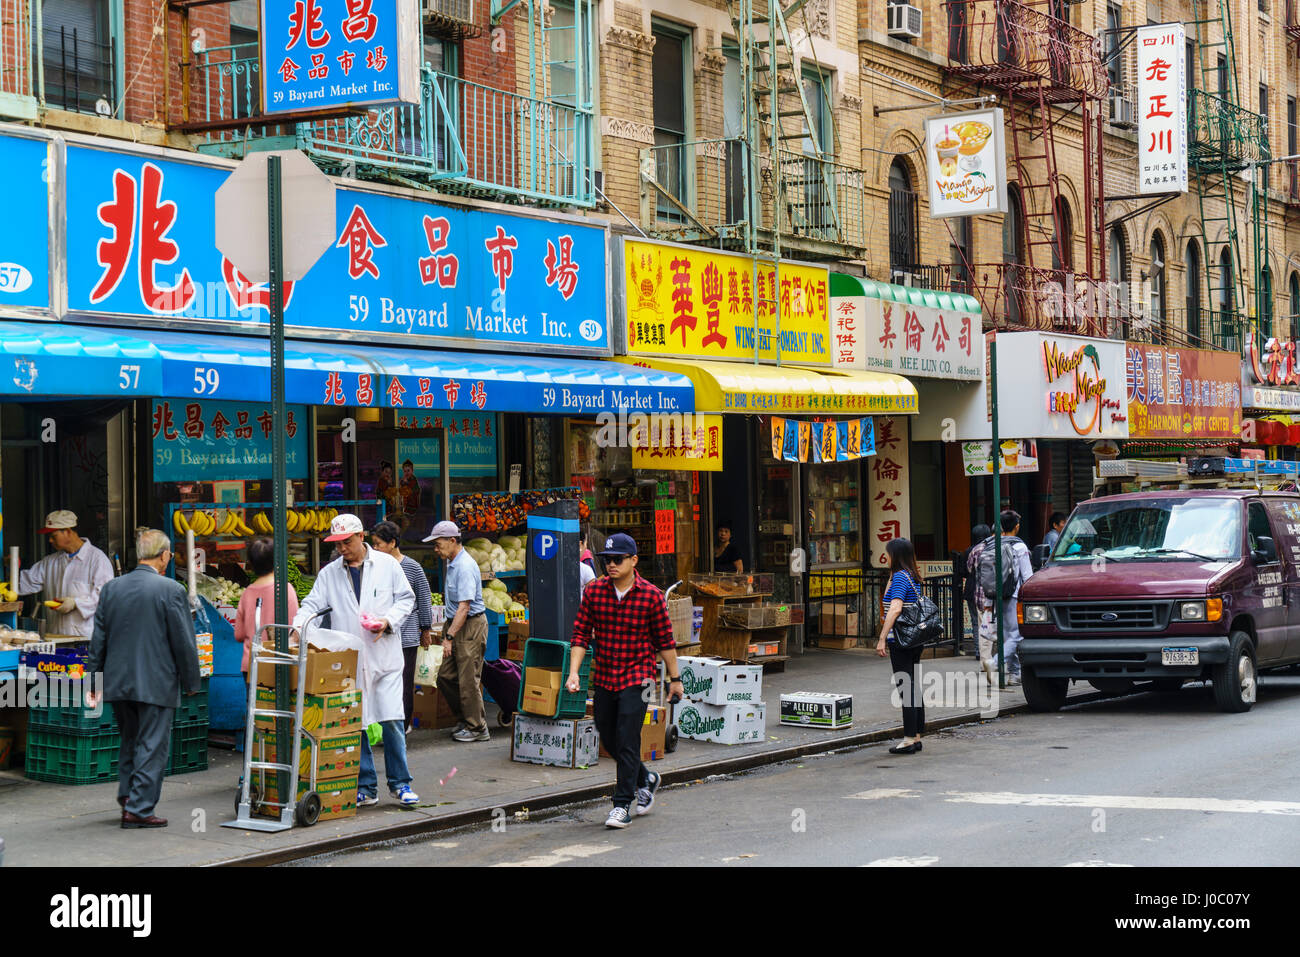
x=203 y=640
x=332 y=712
x=718 y=681
x=654 y=733
x=516 y=636
x=327 y=671
x=541 y=690
x=558 y=742
x=837 y=621
x=764 y=648
x=817 y=709
x=430 y=709
x=739 y=722
x=337 y=755
x=338 y=798
x=842 y=644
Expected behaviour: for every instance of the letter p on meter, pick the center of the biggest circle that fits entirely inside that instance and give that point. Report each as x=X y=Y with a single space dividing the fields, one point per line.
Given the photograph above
x=545 y=544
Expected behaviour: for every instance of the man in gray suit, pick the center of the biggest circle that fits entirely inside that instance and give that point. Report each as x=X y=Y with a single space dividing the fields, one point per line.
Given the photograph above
x=144 y=643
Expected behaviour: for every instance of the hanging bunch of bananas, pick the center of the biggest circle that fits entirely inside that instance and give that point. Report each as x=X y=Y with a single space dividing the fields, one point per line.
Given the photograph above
x=206 y=523
x=302 y=521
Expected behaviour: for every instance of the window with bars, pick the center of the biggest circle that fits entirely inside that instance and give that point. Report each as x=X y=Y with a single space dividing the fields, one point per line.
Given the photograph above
x=79 y=56
x=903 y=234
x=669 y=61
x=1193 y=299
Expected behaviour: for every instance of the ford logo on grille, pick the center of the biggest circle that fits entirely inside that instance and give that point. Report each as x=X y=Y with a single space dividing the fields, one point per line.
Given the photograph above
x=1110 y=616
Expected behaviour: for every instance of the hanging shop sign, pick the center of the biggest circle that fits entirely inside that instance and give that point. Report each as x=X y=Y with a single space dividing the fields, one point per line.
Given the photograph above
x=843 y=440
x=1061 y=387
x=1017 y=455
x=25 y=251
x=1162 y=108
x=889 y=488
x=216 y=441
x=141 y=244
x=966 y=163
x=689 y=443
x=688 y=302
x=326 y=54
x=912 y=332
x=1182 y=393
x=1273 y=365
x=471 y=444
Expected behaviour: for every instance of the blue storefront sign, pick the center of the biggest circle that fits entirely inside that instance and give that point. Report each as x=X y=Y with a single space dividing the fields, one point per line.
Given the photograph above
x=324 y=54
x=25 y=244
x=223 y=440
x=140 y=244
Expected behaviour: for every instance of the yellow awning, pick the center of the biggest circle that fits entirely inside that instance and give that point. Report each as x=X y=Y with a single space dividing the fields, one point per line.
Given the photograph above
x=787 y=390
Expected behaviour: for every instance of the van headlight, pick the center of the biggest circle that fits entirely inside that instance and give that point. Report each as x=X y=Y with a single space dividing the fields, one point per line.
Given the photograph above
x=1211 y=609
x=1036 y=615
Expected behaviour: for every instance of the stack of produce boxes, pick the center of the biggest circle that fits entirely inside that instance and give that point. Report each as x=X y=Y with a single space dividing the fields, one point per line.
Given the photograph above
x=724 y=701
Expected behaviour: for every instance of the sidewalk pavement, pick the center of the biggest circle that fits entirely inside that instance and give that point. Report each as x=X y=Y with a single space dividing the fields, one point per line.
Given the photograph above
x=50 y=824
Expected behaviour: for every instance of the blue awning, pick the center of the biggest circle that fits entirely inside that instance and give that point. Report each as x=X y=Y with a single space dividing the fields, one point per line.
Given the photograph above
x=81 y=360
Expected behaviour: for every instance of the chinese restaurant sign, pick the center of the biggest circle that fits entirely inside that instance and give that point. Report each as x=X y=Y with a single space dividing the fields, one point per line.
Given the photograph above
x=1182 y=393
x=889 y=488
x=1061 y=387
x=666 y=445
x=966 y=163
x=213 y=441
x=325 y=54
x=693 y=303
x=846 y=440
x=1162 y=108
x=907 y=332
x=141 y=243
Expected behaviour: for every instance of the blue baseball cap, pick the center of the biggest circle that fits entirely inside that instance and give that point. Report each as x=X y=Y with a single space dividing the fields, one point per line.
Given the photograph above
x=618 y=544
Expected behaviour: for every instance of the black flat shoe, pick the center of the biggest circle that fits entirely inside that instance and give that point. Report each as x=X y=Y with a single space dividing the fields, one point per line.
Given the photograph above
x=905 y=748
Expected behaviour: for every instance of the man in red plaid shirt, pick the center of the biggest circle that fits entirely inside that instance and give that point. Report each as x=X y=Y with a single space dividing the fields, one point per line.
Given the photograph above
x=626 y=619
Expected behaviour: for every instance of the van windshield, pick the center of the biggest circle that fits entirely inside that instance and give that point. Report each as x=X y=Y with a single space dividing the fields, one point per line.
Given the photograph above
x=1158 y=529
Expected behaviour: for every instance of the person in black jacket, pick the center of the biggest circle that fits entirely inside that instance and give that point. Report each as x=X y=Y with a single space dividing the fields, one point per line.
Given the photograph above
x=977 y=536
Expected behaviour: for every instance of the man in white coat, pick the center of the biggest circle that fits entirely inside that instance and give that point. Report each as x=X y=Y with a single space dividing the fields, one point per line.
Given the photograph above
x=72 y=576
x=369 y=596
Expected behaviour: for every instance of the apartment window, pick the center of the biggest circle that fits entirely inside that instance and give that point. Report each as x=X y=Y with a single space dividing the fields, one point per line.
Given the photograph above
x=958 y=18
x=1266 y=302
x=817 y=217
x=1225 y=334
x=1222 y=73
x=903 y=234
x=1193 y=78
x=671 y=86
x=960 y=246
x=733 y=118
x=1291 y=145
x=433 y=137
x=1295 y=302
x=1113 y=60
x=571 y=61
x=1193 y=263
x=1263 y=112
x=1157 y=279
x=79 y=56
x=1117 y=273
x=1013 y=251
x=1063 y=248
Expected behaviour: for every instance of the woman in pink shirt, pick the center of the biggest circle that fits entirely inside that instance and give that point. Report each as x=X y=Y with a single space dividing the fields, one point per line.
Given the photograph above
x=261 y=559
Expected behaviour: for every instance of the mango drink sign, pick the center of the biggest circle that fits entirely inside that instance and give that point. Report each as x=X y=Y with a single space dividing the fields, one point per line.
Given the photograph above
x=966 y=164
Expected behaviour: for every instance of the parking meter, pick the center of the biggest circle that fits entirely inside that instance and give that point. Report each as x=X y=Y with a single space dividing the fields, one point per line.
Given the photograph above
x=553 y=577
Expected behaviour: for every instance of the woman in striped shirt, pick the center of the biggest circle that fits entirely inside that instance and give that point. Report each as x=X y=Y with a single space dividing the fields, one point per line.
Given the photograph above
x=386 y=537
x=903 y=580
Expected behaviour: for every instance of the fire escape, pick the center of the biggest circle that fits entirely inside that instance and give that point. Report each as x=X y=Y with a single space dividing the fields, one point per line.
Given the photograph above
x=1047 y=72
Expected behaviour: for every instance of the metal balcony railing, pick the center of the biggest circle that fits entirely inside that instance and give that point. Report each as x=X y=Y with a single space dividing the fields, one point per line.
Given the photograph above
x=700 y=192
x=52 y=65
x=1009 y=44
x=1220 y=132
x=1292 y=20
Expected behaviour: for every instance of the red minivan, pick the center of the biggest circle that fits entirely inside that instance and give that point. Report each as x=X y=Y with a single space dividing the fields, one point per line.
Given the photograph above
x=1165 y=587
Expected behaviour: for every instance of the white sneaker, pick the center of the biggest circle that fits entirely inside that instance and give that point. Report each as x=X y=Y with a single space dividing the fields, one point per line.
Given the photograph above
x=645 y=797
x=465 y=736
x=618 y=817
x=366 y=800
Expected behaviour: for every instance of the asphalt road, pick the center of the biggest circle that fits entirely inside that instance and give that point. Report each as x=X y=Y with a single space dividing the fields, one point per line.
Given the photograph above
x=1143 y=780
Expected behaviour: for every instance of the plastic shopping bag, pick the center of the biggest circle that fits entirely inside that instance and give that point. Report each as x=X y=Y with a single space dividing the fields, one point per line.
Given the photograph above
x=375 y=734
x=427 y=662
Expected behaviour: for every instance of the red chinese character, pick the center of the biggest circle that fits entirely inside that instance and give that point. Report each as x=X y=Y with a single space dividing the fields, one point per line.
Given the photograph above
x=334 y=389
x=889 y=530
x=453 y=426
x=683 y=317
x=1161 y=140
x=425 y=399
x=503 y=258
x=890 y=503
x=162 y=422
x=345 y=61
x=376 y=60
x=846 y=318
x=965 y=340
x=733 y=292
x=888 y=337
x=115 y=254
x=478 y=430
x=452 y=388
x=219 y=426
x=289 y=71
x=465 y=426
x=193 y=427
x=403 y=422
x=246 y=294
x=1158 y=107
x=846 y=357
x=940 y=337
x=435 y=268
x=362 y=239
x=395 y=392
x=821 y=296
x=290 y=426
x=711 y=294
x=437 y=423
x=478 y=395
x=319 y=70
x=913 y=329
x=1158 y=69
x=156 y=219
x=365 y=389
x=306 y=18
x=561 y=270
x=885 y=438
x=746 y=298
x=267 y=422
x=361 y=23
x=243 y=430
x=785 y=294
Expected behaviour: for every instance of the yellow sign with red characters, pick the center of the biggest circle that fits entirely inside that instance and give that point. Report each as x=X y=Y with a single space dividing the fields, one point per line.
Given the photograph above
x=696 y=303
x=693 y=444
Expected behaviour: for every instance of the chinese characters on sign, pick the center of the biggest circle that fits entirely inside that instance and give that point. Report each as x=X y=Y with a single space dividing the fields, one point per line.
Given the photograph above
x=213 y=441
x=1182 y=393
x=886 y=331
x=323 y=54
x=1061 y=387
x=692 y=445
x=1162 y=108
x=966 y=164
x=888 y=488
x=845 y=440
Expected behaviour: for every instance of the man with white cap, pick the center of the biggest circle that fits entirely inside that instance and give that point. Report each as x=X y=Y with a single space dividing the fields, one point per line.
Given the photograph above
x=369 y=596
x=72 y=576
x=464 y=637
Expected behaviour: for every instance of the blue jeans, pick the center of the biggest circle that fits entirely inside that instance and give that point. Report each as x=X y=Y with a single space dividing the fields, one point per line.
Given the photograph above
x=394 y=760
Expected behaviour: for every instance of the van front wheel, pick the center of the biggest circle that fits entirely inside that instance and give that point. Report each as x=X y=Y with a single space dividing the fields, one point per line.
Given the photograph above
x=1043 y=694
x=1235 y=680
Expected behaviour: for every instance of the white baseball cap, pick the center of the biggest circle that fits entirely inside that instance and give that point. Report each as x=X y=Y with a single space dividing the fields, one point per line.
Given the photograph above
x=443 y=530
x=59 y=520
x=344 y=526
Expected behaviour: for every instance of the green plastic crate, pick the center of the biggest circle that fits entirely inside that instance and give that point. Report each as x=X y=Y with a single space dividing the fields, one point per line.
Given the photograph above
x=74 y=718
x=66 y=757
x=549 y=653
x=189 y=748
x=193 y=707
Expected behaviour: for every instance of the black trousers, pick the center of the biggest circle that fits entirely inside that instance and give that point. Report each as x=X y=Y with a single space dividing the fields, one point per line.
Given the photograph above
x=408 y=681
x=619 y=716
x=907 y=679
x=146 y=731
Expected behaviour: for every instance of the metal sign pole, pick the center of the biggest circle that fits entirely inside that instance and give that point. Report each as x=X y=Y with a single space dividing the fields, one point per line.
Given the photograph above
x=997 y=507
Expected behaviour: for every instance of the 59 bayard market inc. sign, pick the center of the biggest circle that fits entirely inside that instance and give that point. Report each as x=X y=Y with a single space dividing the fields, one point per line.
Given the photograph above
x=327 y=54
x=966 y=163
x=1162 y=108
x=1061 y=387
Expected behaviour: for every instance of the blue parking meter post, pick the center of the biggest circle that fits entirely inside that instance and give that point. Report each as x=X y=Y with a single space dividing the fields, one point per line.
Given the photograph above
x=553 y=577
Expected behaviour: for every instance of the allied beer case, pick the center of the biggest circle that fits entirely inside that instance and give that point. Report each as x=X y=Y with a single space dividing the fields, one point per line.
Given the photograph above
x=738 y=722
x=717 y=681
x=817 y=709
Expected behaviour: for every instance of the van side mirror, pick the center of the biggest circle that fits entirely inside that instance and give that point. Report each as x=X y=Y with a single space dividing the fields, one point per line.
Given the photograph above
x=1038 y=558
x=1265 y=552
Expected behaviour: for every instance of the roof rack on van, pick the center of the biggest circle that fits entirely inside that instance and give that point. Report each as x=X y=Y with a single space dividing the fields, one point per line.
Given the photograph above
x=1131 y=475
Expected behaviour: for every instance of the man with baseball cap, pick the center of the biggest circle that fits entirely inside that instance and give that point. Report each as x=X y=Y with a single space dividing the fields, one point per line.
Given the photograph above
x=464 y=637
x=72 y=576
x=624 y=618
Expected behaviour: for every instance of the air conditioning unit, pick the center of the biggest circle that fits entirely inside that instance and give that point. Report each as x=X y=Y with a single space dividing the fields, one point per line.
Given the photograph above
x=1122 y=112
x=904 y=20
x=459 y=12
x=900 y=278
x=598 y=182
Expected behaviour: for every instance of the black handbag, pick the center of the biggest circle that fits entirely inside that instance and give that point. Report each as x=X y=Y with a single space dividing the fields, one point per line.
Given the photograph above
x=919 y=623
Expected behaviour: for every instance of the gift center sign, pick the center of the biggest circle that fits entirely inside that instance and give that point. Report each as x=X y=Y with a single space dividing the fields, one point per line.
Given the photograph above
x=684 y=302
x=1162 y=109
x=966 y=164
x=326 y=54
x=1182 y=393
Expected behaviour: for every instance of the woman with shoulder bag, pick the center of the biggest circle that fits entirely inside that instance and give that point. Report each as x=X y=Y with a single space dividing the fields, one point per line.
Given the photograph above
x=902 y=590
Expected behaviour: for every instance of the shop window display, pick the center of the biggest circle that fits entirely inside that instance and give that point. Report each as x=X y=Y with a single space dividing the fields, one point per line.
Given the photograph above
x=834 y=514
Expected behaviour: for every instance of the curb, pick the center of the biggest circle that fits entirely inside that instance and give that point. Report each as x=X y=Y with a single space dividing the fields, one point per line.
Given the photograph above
x=482 y=814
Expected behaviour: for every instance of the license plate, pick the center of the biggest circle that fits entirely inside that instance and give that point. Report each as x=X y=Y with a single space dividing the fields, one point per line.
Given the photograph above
x=1180 y=656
